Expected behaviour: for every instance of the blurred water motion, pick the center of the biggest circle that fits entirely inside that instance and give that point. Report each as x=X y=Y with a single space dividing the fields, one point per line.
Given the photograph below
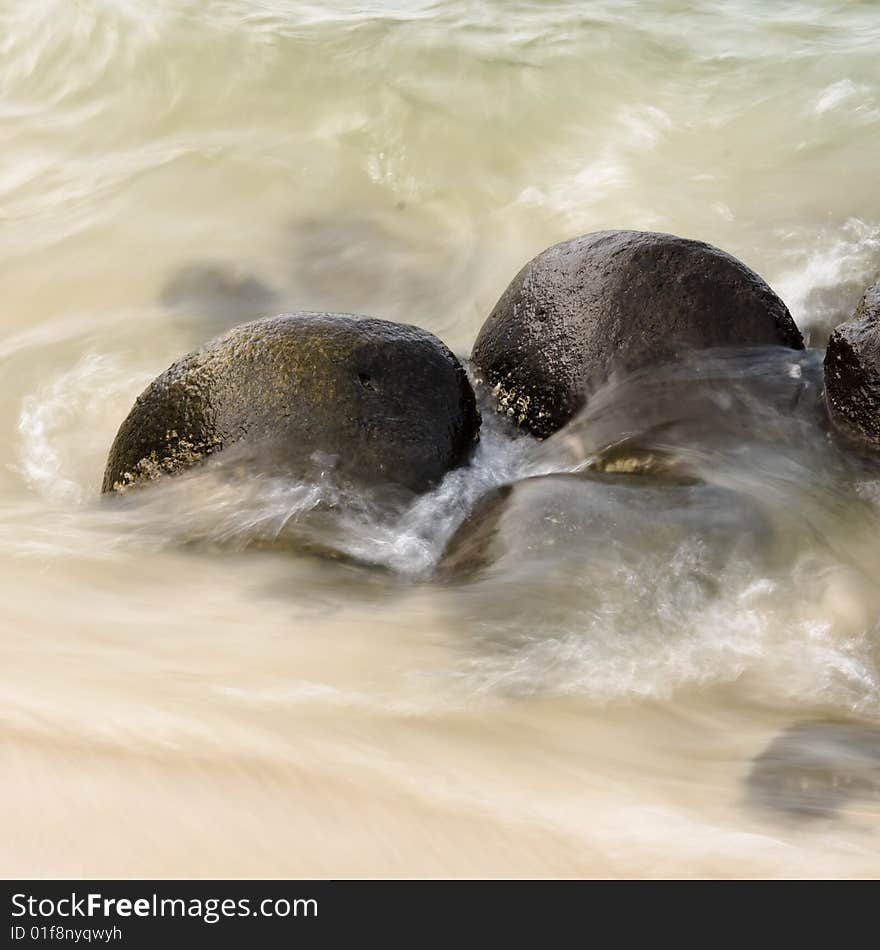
x=191 y=687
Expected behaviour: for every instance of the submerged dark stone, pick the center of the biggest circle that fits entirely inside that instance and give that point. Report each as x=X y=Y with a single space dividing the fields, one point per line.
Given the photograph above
x=813 y=769
x=403 y=262
x=617 y=300
x=377 y=402
x=595 y=522
x=217 y=296
x=852 y=372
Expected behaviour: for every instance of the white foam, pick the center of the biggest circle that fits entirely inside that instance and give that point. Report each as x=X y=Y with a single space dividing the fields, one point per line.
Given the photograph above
x=61 y=447
x=824 y=285
x=636 y=130
x=832 y=96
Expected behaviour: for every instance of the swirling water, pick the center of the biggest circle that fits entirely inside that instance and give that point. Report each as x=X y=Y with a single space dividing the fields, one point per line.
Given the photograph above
x=181 y=698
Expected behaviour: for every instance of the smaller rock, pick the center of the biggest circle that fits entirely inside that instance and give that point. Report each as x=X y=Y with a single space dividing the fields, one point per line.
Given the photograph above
x=813 y=769
x=852 y=372
x=217 y=296
x=595 y=522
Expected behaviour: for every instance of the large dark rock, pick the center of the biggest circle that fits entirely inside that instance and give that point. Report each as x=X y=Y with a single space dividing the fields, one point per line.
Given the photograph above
x=852 y=371
x=616 y=300
x=379 y=402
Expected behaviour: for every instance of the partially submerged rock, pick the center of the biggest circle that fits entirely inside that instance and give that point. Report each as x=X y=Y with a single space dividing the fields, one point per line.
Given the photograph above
x=377 y=402
x=405 y=263
x=616 y=300
x=813 y=769
x=852 y=372
x=594 y=522
x=217 y=296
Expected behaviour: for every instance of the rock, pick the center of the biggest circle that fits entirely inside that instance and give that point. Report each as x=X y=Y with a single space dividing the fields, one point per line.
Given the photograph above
x=599 y=524
x=813 y=769
x=378 y=402
x=852 y=372
x=616 y=300
x=470 y=549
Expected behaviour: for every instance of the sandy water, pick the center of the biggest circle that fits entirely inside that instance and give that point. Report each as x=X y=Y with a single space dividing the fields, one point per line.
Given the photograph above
x=176 y=700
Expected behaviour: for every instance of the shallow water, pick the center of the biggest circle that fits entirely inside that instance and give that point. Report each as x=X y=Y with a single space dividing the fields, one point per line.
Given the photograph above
x=183 y=694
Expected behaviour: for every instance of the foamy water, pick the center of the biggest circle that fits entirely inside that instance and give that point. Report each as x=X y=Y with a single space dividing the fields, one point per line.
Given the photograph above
x=187 y=689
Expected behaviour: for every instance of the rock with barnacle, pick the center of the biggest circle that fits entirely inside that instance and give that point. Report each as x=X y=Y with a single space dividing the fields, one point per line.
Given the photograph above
x=378 y=402
x=616 y=300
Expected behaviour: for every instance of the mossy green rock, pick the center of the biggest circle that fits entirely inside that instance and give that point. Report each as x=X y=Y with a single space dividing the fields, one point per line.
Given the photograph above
x=377 y=402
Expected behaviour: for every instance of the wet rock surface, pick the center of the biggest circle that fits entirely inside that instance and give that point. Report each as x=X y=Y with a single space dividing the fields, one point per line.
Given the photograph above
x=373 y=401
x=615 y=301
x=852 y=372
